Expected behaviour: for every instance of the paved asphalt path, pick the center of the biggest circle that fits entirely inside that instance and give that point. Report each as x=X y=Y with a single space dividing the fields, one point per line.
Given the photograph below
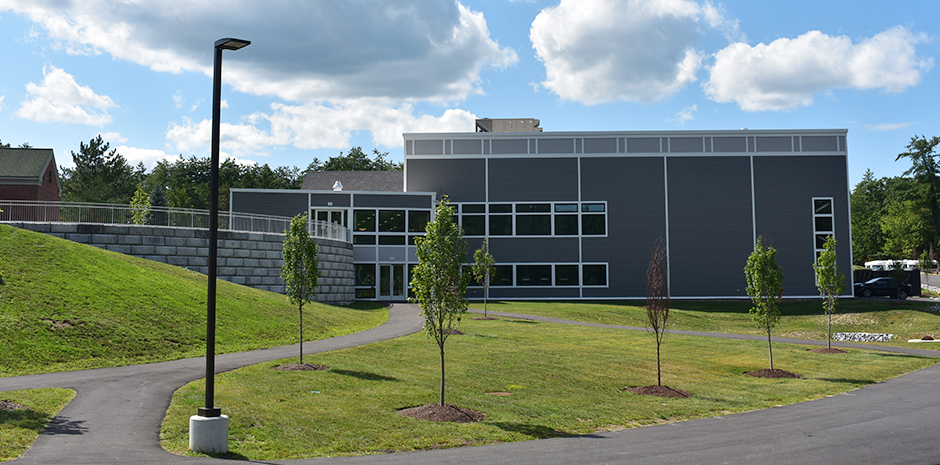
x=116 y=416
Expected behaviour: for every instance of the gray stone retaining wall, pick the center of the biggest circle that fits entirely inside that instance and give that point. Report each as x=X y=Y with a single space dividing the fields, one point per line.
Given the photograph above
x=251 y=259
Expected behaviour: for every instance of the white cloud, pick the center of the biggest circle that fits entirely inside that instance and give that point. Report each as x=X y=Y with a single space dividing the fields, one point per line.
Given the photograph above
x=178 y=100
x=598 y=51
x=314 y=126
x=1 y=102
x=336 y=49
x=787 y=73
x=113 y=137
x=149 y=157
x=60 y=99
x=687 y=113
x=889 y=126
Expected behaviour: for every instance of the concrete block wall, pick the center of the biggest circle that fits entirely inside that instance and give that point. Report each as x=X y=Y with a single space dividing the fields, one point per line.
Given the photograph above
x=251 y=259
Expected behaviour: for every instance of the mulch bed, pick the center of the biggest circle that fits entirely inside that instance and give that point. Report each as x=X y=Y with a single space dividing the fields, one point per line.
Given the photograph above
x=300 y=367
x=485 y=318
x=827 y=350
x=451 y=413
x=9 y=405
x=775 y=373
x=661 y=391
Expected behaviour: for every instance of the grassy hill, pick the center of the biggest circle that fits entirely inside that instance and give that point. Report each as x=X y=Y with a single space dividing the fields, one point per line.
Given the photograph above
x=68 y=306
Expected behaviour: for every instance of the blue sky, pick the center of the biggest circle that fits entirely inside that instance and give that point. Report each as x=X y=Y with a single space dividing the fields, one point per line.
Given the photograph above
x=323 y=76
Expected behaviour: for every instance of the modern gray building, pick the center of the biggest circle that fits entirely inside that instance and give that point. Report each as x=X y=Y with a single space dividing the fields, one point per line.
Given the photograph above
x=573 y=215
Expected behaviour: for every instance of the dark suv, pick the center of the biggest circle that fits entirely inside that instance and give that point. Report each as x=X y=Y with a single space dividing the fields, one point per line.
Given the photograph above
x=891 y=287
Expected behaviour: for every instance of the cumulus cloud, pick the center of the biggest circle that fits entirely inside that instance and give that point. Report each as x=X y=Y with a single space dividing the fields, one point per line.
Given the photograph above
x=315 y=126
x=687 y=113
x=787 y=73
x=149 y=157
x=60 y=99
x=597 y=51
x=113 y=137
x=889 y=126
x=301 y=51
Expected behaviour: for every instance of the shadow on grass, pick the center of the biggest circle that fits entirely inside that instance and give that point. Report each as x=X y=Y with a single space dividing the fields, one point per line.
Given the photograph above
x=528 y=322
x=232 y=456
x=24 y=418
x=364 y=375
x=847 y=380
x=533 y=431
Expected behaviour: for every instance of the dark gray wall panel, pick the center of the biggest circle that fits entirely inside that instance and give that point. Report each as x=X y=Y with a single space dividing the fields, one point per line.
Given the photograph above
x=729 y=144
x=322 y=200
x=710 y=227
x=510 y=146
x=429 y=147
x=608 y=145
x=643 y=145
x=468 y=147
x=634 y=191
x=391 y=201
x=775 y=144
x=542 y=292
x=464 y=180
x=270 y=203
x=784 y=188
x=534 y=249
x=820 y=143
x=686 y=144
x=556 y=145
x=533 y=179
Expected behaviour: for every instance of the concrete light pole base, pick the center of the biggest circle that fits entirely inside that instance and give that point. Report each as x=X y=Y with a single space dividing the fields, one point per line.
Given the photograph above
x=208 y=434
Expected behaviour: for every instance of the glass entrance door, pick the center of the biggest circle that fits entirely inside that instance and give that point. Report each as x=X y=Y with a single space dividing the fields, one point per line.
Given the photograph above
x=392 y=282
x=325 y=218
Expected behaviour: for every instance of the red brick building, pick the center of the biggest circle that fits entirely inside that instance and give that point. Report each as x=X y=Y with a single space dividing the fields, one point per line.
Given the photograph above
x=29 y=174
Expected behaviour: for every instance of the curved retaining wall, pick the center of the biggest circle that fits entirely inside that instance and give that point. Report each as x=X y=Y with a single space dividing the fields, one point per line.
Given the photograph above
x=251 y=259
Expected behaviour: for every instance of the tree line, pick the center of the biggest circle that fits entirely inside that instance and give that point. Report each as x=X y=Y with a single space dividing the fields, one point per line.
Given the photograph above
x=102 y=175
x=899 y=217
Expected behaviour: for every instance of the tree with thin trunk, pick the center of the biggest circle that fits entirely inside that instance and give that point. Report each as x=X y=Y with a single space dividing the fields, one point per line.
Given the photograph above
x=483 y=268
x=830 y=282
x=657 y=300
x=438 y=281
x=300 y=270
x=765 y=287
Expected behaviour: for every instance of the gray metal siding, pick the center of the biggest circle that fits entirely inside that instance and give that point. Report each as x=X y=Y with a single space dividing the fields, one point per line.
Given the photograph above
x=775 y=144
x=286 y=204
x=322 y=200
x=468 y=147
x=643 y=145
x=510 y=146
x=556 y=145
x=464 y=180
x=636 y=216
x=538 y=292
x=710 y=226
x=783 y=191
x=820 y=143
x=392 y=201
x=686 y=144
x=428 y=147
x=608 y=145
x=534 y=249
x=532 y=179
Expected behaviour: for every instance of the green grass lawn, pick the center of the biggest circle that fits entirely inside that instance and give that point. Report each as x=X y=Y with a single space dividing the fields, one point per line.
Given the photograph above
x=20 y=428
x=800 y=319
x=68 y=306
x=563 y=380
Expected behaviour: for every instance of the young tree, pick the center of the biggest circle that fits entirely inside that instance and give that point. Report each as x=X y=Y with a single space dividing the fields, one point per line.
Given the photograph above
x=830 y=282
x=483 y=268
x=765 y=287
x=300 y=270
x=140 y=206
x=439 y=285
x=657 y=300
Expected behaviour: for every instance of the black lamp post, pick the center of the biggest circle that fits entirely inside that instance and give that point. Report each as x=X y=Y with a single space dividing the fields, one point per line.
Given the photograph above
x=210 y=410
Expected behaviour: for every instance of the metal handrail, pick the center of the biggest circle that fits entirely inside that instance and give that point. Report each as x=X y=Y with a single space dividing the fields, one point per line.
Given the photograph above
x=101 y=213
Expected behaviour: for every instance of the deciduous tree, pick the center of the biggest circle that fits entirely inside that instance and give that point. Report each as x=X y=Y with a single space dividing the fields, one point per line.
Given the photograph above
x=657 y=300
x=438 y=282
x=300 y=271
x=830 y=282
x=765 y=288
x=483 y=268
x=140 y=206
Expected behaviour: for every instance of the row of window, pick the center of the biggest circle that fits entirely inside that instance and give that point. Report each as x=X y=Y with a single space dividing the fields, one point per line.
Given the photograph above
x=534 y=219
x=505 y=275
x=823 y=222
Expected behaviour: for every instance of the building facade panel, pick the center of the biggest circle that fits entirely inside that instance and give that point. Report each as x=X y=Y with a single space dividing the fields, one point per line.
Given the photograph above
x=533 y=179
x=361 y=200
x=276 y=203
x=534 y=250
x=463 y=179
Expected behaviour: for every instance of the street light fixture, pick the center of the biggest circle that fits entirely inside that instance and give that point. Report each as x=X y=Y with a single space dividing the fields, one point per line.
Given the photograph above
x=208 y=431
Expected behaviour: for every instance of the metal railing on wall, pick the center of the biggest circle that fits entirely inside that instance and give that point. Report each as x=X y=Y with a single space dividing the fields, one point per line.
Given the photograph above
x=80 y=212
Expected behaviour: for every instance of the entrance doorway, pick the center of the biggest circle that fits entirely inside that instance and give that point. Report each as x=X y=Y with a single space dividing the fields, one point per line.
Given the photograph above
x=326 y=218
x=392 y=282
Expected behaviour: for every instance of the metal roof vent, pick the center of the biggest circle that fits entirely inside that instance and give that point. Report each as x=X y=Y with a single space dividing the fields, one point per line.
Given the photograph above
x=337 y=186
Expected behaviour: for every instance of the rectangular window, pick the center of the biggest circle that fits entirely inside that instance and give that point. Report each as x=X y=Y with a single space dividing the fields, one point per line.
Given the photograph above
x=566 y=275
x=473 y=209
x=593 y=225
x=533 y=225
x=391 y=240
x=594 y=275
x=500 y=225
x=500 y=208
x=418 y=220
x=474 y=225
x=823 y=223
x=392 y=221
x=533 y=275
x=566 y=225
x=502 y=276
x=566 y=207
x=364 y=220
x=365 y=275
x=592 y=207
x=363 y=239
x=533 y=208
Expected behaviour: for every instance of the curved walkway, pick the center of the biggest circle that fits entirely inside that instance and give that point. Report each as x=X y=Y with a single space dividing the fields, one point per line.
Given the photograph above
x=116 y=415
